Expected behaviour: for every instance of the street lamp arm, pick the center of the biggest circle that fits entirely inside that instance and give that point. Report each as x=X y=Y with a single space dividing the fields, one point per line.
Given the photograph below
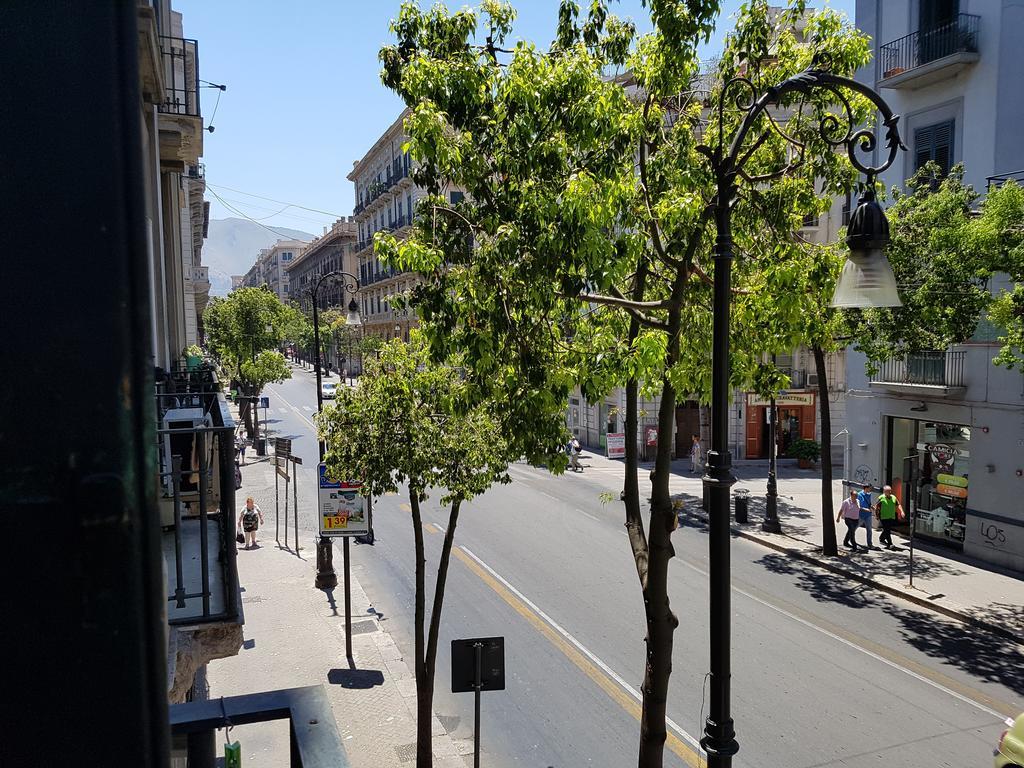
x=834 y=130
x=352 y=284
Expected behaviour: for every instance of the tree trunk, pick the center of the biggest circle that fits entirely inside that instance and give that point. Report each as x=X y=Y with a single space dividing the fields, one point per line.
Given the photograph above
x=631 y=487
x=245 y=408
x=828 y=523
x=631 y=484
x=661 y=622
x=425 y=700
x=424 y=692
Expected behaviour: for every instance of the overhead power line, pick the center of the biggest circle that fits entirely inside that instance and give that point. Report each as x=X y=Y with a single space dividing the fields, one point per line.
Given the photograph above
x=272 y=200
x=244 y=215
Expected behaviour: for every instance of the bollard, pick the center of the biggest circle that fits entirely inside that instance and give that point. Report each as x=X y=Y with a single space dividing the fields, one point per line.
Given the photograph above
x=742 y=497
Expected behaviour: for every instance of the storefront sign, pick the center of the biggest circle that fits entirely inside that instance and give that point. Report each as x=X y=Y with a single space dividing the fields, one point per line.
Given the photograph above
x=783 y=398
x=651 y=436
x=616 y=445
x=341 y=509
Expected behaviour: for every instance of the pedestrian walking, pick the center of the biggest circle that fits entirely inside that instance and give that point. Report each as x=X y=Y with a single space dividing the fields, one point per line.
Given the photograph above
x=249 y=521
x=849 y=512
x=574 y=455
x=695 y=454
x=240 y=447
x=864 y=500
x=889 y=510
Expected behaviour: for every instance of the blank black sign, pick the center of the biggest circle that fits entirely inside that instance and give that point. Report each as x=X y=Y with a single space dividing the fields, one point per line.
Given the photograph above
x=492 y=664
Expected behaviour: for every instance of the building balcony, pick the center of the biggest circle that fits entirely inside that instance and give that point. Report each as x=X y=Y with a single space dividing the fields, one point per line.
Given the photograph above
x=196 y=452
x=180 y=119
x=938 y=374
x=928 y=56
x=999 y=179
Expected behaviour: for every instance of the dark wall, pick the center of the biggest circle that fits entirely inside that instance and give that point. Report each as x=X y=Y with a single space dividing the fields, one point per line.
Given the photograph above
x=84 y=678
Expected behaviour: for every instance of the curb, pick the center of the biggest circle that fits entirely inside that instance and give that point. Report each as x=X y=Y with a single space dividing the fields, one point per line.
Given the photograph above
x=945 y=610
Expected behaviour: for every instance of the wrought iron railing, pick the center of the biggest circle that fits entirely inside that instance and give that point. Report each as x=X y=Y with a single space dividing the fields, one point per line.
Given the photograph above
x=197 y=483
x=181 y=75
x=312 y=729
x=931 y=369
x=1001 y=178
x=958 y=35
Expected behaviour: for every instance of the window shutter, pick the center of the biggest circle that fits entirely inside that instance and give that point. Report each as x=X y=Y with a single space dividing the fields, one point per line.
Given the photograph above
x=942 y=141
x=922 y=147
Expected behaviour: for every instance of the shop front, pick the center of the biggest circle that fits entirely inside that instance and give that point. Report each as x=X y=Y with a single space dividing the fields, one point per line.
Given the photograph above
x=929 y=465
x=797 y=421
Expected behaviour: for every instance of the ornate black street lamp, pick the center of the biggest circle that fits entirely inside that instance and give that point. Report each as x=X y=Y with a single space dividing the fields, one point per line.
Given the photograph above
x=867 y=280
x=326 y=578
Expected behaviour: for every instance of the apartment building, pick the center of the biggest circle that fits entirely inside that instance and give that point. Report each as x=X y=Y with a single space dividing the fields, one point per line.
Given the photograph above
x=270 y=267
x=386 y=199
x=333 y=251
x=946 y=428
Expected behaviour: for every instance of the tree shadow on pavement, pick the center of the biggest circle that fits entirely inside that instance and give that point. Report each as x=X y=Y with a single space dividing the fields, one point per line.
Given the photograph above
x=980 y=653
x=896 y=564
x=795 y=520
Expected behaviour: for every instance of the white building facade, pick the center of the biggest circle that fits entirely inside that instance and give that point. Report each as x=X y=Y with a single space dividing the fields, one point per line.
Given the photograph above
x=946 y=428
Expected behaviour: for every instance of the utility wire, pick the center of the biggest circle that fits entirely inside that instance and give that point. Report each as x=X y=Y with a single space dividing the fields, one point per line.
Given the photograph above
x=272 y=200
x=244 y=215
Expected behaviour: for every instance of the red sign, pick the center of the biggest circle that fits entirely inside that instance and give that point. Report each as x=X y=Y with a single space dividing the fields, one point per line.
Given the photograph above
x=651 y=436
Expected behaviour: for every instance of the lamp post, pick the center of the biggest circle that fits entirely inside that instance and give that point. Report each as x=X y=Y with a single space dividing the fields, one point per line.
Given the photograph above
x=326 y=577
x=771 y=524
x=866 y=280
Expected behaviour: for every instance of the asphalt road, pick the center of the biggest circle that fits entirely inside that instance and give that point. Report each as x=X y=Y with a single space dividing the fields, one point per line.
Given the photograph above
x=825 y=673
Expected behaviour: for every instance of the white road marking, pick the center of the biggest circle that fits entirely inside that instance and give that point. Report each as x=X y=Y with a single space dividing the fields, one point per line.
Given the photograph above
x=283 y=410
x=307 y=408
x=545 y=493
x=592 y=517
x=582 y=649
x=851 y=644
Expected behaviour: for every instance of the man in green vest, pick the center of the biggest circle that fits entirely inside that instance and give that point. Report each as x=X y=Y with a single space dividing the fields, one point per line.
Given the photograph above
x=889 y=510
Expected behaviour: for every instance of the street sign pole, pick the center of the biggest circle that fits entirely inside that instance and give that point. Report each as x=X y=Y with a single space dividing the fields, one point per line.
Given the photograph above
x=478 y=665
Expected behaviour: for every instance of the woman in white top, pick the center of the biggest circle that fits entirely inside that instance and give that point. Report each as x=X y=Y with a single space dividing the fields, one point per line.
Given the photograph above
x=850 y=513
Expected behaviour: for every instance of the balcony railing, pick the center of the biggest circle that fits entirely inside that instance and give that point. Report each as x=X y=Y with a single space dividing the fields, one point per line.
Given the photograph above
x=1001 y=178
x=923 y=369
x=197 y=497
x=959 y=35
x=312 y=729
x=181 y=76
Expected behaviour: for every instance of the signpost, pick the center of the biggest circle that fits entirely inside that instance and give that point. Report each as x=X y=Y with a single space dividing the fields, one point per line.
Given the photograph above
x=282 y=458
x=342 y=512
x=478 y=664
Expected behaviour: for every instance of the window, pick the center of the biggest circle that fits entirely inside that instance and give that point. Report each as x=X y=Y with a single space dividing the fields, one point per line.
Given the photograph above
x=934 y=142
x=456 y=197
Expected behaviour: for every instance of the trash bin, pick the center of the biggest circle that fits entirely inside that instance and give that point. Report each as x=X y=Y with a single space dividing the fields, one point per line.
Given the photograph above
x=742 y=497
x=261 y=446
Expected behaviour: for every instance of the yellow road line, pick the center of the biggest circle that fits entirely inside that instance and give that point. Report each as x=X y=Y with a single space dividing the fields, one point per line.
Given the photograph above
x=431 y=528
x=404 y=506
x=627 y=702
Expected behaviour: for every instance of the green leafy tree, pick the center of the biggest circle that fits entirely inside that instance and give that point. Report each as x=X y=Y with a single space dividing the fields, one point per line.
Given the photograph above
x=583 y=250
x=407 y=424
x=999 y=232
x=244 y=331
x=942 y=267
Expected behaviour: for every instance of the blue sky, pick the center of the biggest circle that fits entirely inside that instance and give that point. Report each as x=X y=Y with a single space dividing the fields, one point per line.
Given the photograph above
x=304 y=98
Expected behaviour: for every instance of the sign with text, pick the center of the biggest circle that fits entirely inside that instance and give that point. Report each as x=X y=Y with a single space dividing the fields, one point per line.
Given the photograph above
x=616 y=445
x=782 y=399
x=264 y=402
x=283 y=446
x=340 y=508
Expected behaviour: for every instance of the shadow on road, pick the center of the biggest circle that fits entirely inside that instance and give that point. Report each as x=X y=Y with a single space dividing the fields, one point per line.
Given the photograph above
x=980 y=653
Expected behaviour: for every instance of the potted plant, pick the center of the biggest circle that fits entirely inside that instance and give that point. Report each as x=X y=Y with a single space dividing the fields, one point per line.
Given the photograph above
x=806 y=452
x=193 y=355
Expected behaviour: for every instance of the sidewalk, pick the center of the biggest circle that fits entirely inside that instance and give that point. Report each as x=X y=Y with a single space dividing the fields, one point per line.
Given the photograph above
x=295 y=635
x=944 y=580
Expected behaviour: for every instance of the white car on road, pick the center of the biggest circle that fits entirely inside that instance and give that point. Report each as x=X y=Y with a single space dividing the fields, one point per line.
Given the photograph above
x=328 y=390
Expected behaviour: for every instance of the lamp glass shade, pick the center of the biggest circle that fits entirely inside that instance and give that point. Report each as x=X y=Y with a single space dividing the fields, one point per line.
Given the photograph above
x=352 y=317
x=867 y=280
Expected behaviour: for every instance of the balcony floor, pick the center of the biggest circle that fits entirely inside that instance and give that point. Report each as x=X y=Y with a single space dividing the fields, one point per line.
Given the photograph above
x=191 y=572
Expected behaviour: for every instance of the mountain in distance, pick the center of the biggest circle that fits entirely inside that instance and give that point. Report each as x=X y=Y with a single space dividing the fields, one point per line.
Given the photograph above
x=231 y=247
